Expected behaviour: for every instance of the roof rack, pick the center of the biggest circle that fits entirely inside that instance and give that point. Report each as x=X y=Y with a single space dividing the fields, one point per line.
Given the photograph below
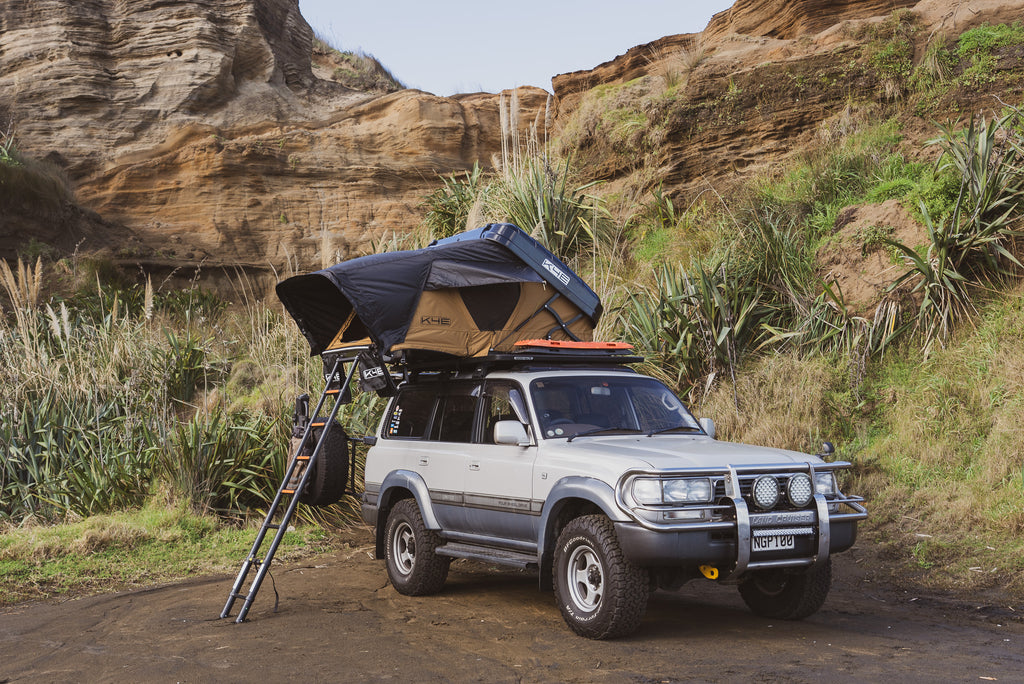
x=533 y=354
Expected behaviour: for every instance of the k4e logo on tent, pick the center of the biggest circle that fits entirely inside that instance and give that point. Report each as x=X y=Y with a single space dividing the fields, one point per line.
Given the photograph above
x=555 y=271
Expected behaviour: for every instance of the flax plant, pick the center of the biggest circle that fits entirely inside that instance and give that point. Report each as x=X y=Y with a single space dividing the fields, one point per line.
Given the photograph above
x=973 y=247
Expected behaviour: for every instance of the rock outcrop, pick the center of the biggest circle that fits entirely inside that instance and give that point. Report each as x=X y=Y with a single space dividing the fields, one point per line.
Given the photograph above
x=198 y=132
x=790 y=19
x=766 y=80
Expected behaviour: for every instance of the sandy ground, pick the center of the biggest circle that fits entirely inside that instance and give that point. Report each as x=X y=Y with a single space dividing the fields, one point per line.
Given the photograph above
x=339 y=619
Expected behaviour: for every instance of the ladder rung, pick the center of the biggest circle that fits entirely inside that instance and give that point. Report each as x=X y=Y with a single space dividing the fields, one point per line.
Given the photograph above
x=287 y=491
x=320 y=423
x=302 y=458
x=335 y=391
x=273 y=526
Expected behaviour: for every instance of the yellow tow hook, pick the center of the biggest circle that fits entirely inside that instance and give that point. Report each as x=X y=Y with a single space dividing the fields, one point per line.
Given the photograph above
x=709 y=571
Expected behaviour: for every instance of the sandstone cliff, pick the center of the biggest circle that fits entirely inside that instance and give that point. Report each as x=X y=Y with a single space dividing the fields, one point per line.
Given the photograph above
x=197 y=132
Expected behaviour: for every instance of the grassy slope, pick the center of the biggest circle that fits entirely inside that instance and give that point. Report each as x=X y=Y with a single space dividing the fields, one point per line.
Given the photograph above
x=130 y=549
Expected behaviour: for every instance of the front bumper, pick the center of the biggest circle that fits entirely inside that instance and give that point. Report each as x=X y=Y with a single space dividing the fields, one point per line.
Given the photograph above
x=724 y=536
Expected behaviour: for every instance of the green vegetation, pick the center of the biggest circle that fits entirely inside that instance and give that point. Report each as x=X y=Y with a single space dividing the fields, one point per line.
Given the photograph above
x=113 y=396
x=531 y=189
x=449 y=207
x=137 y=547
x=979 y=50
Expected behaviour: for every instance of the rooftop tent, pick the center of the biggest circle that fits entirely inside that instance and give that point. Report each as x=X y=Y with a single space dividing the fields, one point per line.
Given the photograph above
x=464 y=296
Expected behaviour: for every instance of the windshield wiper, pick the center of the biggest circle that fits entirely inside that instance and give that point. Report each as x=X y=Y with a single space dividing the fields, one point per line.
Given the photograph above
x=688 y=428
x=595 y=431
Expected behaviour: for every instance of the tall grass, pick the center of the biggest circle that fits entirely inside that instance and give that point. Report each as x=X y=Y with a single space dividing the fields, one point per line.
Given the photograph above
x=450 y=206
x=109 y=396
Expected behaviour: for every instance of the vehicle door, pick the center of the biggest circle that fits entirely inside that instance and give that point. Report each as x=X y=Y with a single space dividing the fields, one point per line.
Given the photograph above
x=499 y=477
x=432 y=428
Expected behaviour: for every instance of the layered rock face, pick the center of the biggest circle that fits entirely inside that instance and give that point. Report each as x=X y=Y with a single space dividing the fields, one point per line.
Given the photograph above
x=93 y=79
x=791 y=19
x=198 y=134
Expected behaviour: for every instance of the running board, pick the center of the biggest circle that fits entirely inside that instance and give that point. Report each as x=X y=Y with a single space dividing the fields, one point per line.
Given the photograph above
x=514 y=559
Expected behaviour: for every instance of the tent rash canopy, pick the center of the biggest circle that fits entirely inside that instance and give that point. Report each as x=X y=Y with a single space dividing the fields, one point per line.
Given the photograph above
x=466 y=295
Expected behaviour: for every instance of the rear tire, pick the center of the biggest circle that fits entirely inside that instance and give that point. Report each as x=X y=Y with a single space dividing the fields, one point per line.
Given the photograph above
x=601 y=594
x=787 y=595
x=413 y=567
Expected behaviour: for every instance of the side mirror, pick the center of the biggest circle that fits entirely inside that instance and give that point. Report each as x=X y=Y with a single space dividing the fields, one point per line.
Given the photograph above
x=709 y=426
x=511 y=432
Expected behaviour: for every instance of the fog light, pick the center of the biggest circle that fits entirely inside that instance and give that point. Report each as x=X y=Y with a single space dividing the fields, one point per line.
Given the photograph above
x=765 y=492
x=799 y=490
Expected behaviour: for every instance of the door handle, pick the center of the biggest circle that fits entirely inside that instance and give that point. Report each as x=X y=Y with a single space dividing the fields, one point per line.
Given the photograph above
x=424 y=461
x=474 y=465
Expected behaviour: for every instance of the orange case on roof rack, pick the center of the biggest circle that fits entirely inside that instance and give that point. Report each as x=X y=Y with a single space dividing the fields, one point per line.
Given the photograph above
x=567 y=344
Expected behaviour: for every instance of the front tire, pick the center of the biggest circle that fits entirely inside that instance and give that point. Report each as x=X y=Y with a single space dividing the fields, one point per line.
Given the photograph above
x=601 y=594
x=787 y=595
x=413 y=567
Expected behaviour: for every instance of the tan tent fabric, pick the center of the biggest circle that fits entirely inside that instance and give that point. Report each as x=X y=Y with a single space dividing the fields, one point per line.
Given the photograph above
x=442 y=323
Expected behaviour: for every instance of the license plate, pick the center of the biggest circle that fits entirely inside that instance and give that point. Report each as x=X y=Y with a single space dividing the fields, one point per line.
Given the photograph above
x=775 y=542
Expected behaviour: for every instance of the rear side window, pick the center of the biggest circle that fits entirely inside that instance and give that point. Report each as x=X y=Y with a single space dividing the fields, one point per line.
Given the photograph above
x=439 y=413
x=454 y=419
x=410 y=414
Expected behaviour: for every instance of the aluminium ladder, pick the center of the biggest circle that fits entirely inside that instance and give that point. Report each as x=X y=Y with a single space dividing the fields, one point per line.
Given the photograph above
x=289 y=489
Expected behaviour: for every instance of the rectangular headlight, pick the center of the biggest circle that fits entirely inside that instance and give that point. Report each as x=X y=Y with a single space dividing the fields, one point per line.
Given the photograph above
x=689 y=490
x=647 y=490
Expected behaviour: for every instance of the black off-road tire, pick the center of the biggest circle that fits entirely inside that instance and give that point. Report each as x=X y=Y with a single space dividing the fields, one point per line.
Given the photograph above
x=787 y=595
x=601 y=594
x=326 y=484
x=413 y=567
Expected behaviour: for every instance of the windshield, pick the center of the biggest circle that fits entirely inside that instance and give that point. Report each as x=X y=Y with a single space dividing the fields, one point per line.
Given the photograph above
x=569 y=406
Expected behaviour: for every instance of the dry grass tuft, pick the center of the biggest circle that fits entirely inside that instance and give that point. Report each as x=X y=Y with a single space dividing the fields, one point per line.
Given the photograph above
x=784 y=402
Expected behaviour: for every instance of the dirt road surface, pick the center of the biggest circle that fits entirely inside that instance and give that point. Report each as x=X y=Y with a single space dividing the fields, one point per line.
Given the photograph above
x=339 y=620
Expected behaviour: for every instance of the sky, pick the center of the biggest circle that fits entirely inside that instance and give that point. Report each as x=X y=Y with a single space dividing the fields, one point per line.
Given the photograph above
x=456 y=46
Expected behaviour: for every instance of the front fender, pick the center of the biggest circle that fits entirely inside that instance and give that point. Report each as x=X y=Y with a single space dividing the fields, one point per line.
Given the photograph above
x=570 y=491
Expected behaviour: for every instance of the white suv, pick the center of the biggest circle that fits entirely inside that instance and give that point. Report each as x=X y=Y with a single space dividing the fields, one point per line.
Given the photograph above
x=599 y=478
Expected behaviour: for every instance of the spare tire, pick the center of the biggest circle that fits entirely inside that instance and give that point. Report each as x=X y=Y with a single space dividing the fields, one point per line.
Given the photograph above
x=326 y=484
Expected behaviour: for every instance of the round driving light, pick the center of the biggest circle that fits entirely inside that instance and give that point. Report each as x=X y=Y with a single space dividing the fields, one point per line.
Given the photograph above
x=799 y=490
x=765 y=492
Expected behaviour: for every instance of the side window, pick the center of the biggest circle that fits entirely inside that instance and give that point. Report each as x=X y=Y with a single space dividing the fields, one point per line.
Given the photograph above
x=456 y=414
x=410 y=414
x=503 y=401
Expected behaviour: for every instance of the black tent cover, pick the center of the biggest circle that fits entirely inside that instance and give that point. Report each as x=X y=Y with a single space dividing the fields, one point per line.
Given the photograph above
x=383 y=290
